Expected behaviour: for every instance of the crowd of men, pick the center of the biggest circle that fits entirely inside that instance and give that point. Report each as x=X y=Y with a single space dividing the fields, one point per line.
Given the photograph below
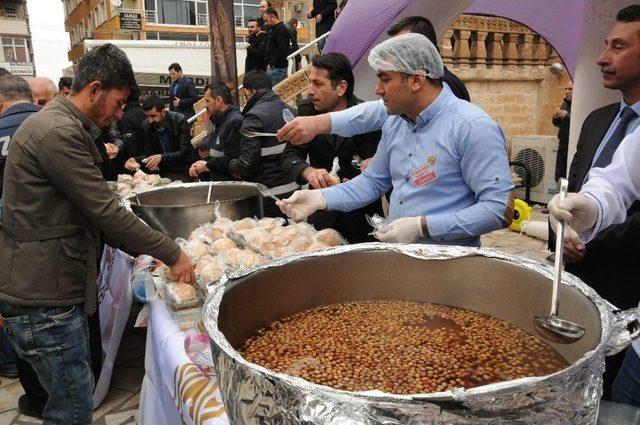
x=439 y=160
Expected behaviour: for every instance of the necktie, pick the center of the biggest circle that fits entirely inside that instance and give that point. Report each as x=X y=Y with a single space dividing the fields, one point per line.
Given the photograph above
x=605 y=156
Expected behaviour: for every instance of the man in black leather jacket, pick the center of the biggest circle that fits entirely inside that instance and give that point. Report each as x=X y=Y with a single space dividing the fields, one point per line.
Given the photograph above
x=331 y=84
x=167 y=142
x=223 y=144
x=260 y=157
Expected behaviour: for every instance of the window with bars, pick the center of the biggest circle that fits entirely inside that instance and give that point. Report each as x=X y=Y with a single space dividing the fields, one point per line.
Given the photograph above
x=15 y=49
x=177 y=12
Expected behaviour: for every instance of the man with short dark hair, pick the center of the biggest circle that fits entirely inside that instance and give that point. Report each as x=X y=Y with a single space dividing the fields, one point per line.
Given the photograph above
x=445 y=158
x=277 y=47
x=56 y=206
x=64 y=85
x=330 y=89
x=262 y=7
x=257 y=46
x=182 y=92
x=223 y=144
x=292 y=26
x=167 y=142
x=260 y=158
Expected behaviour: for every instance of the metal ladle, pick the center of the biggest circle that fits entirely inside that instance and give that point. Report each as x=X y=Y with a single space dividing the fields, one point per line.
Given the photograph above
x=552 y=327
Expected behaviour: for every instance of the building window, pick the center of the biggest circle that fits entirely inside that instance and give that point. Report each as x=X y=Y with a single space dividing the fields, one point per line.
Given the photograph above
x=172 y=36
x=15 y=49
x=244 y=10
x=102 y=13
x=176 y=12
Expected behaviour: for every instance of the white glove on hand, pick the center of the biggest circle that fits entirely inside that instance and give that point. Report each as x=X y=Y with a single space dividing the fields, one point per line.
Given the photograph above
x=302 y=204
x=577 y=210
x=402 y=230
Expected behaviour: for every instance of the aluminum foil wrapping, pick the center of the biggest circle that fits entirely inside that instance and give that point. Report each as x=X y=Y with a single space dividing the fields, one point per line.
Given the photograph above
x=253 y=394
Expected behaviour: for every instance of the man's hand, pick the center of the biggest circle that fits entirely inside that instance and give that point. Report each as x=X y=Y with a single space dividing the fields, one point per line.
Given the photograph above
x=302 y=204
x=365 y=164
x=176 y=102
x=153 y=161
x=112 y=150
x=318 y=18
x=559 y=113
x=578 y=211
x=303 y=129
x=182 y=270
x=402 y=230
x=203 y=153
x=573 y=252
x=309 y=15
x=132 y=165
x=318 y=178
x=198 y=168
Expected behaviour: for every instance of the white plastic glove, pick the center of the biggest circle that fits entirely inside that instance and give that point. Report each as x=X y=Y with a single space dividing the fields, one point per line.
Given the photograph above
x=302 y=204
x=402 y=230
x=577 y=210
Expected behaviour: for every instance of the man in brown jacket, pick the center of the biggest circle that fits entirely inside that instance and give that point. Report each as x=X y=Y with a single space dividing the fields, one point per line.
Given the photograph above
x=56 y=203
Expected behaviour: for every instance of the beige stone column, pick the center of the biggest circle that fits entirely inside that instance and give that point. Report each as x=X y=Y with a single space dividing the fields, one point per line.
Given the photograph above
x=446 y=49
x=494 y=49
x=526 y=49
x=461 y=52
x=479 y=49
x=510 y=49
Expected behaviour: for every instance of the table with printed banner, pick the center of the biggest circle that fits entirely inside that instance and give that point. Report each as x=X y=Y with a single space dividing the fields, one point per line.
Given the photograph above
x=175 y=390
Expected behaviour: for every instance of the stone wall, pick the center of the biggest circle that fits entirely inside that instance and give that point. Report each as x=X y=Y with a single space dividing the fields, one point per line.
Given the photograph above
x=505 y=67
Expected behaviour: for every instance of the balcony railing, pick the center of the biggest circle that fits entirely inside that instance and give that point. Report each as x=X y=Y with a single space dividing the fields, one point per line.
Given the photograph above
x=202 y=19
x=11 y=14
x=475 y=41
x=151 y=16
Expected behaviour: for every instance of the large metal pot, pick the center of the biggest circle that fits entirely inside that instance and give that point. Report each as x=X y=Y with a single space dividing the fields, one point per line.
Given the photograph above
x=507 y=287
x=176 y=210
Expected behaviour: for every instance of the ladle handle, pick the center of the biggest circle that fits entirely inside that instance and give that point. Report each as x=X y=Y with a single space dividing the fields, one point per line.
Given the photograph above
x=558 y=265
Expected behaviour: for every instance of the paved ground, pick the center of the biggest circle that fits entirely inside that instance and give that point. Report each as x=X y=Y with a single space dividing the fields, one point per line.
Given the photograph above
x=121 y=405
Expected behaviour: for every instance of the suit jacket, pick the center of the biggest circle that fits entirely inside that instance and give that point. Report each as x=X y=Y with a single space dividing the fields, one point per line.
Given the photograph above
x=187 y=94
x=610 y=265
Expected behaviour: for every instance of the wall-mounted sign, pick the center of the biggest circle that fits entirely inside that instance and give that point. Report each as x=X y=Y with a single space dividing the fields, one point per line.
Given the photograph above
x=18 y=68
x=130 y=21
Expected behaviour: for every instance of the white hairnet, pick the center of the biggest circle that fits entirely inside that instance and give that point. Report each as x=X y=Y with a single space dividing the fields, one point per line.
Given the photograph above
x=411 y=54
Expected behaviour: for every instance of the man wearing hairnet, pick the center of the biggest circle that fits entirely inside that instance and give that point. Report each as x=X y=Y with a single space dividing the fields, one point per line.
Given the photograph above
x=444 y=157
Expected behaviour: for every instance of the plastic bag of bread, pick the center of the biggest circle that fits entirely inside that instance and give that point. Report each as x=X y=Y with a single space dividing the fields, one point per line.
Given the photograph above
x=270 y=248
x=329 y=237
x=316 y=246
x=333 y=174
x=153 y=179
x=215 y=230
x=124 y=178
x=255 y=238
x=230 y=258
x=123 y=189
x=245 y=259
x=198 y=233
x=197 y=248
x=244 y=224
x=203 y=262
x=300 y=229
x=211 y=272
x=222 y=244
x=181 y=296
x=270 y=223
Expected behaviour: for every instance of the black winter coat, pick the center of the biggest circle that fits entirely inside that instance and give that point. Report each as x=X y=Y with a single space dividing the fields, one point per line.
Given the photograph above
x=255 y=52
x=278 y=46
x=224 y=144
x=179 y=155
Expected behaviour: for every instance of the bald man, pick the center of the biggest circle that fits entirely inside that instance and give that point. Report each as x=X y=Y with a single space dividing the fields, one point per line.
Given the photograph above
x=43 y=90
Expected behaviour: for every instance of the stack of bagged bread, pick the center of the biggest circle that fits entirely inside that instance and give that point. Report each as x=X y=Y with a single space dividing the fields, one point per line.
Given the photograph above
x=226 y=245
x=138 y=183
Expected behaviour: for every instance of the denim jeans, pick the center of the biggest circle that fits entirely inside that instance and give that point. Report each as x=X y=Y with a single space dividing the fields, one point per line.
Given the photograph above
x=321 y=44
x=7 y=355
x=626 y=387
x=55 y=341
x=277 y=74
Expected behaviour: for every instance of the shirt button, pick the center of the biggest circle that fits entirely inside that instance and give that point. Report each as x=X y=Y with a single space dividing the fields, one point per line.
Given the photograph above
x=401 y=202
x=410 y=155
x=406 y=179
x=414 y=131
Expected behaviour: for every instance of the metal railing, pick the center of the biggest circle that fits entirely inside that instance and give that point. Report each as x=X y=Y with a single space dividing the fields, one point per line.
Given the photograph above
x=202 y=19
x=304 y=48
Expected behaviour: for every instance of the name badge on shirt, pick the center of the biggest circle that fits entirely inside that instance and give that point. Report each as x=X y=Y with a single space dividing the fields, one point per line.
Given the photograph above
x=425 y=174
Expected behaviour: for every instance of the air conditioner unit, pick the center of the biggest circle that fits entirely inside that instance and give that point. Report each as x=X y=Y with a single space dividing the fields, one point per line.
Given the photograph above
x=538 y=153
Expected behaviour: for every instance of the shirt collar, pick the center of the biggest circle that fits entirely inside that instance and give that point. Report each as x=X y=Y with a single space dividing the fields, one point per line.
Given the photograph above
x=87 y=124
x=430 y=112
x=21 y=107
x=635 y=107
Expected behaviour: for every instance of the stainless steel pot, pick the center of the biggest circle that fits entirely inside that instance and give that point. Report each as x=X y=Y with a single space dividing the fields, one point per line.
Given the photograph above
x=507 y=287
x=178 y=209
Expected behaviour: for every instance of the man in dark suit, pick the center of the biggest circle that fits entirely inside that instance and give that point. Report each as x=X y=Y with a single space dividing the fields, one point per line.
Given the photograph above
x=609 y=263
x=182 y=92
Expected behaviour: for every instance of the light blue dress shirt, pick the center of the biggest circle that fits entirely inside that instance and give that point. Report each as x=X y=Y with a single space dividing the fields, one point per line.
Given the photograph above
x=633 y=124
x=470 y=195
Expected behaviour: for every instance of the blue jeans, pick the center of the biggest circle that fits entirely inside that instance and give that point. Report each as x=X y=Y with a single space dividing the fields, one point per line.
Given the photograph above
x=626 y=387
x=321 y=44
x=55 y=341
x=277 y=74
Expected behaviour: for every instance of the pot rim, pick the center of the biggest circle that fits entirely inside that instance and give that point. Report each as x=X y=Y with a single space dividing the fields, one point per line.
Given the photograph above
x=216 y=292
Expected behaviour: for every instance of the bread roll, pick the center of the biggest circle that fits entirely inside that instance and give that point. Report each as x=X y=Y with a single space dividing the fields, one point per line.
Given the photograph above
x=222 y=245
x=181 y=292
x=329 y=237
